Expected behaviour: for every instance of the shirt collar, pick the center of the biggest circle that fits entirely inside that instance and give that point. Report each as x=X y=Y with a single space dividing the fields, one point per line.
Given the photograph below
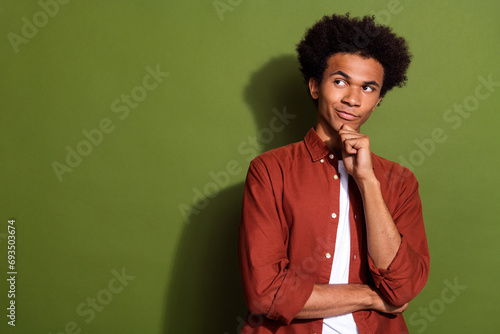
x=316 y=147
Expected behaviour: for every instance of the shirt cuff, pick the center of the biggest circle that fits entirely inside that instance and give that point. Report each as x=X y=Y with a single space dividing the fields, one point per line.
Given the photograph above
x=392 y=282
x=290 y=298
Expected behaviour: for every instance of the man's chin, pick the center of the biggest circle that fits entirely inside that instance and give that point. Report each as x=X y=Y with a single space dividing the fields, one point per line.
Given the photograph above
x=338 y=125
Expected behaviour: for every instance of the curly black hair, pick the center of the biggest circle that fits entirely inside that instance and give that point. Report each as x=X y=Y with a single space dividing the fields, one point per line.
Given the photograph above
x=342 y=34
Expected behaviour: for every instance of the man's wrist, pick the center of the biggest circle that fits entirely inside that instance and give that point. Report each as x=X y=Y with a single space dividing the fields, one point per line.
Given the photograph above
x=368 y=184
x=369 y=296
x=373 y=297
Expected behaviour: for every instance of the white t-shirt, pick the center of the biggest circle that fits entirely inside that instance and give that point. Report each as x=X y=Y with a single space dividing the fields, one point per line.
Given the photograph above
x=342 y=324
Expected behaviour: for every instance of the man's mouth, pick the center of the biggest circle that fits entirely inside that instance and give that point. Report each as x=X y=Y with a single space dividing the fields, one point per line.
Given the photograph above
x=346 y=115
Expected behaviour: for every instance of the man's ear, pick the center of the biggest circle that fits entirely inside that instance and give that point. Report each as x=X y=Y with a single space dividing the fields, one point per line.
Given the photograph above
x=378 y=103
x=313 y=88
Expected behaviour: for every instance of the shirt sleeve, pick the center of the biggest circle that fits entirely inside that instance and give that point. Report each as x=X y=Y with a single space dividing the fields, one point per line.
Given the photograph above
x=407 y=274
x=270 y=287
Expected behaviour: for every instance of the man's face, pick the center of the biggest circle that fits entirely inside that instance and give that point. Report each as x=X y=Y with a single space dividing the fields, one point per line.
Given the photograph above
x=348 y=92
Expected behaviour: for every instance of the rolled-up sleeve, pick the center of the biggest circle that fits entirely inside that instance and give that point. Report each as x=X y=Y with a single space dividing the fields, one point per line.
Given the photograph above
x=270 y=287
x=408 y=272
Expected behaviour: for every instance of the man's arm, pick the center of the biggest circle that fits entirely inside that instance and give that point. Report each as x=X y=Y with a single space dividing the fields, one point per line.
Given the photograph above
x=398 y=254
x=383 y=238
x=328 y=300
x=271 y=286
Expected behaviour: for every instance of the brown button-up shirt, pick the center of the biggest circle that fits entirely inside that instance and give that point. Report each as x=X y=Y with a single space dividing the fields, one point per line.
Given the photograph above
x=288 y=231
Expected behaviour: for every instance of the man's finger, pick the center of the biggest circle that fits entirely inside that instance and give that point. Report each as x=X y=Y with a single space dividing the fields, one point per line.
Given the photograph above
x=346 y=127
x=350 y=146
x=350 y=135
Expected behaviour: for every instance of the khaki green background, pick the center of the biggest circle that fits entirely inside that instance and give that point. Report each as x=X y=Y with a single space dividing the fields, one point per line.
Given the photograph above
x=125 y=208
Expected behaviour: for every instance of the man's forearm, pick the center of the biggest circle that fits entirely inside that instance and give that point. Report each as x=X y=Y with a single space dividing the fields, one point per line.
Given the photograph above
x=328 y=300
x=383 y=238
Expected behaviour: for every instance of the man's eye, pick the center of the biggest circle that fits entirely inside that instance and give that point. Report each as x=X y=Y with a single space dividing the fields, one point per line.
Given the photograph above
x=368 y=89
x=340 y=82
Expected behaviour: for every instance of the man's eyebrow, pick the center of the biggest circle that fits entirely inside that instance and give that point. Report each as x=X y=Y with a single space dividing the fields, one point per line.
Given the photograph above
x=341 y=73
x=374 y=83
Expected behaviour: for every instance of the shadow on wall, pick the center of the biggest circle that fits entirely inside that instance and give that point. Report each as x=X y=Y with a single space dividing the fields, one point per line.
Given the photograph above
x=205 y=294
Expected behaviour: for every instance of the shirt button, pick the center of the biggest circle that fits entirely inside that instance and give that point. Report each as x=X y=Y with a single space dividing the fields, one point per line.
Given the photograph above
x=334 y=215
x=328 y=255
x=322 y=160
x=331 y=156
x=335 y=177
x=355 y=216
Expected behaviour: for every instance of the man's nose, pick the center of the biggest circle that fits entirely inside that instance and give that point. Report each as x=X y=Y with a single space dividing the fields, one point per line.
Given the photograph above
x=352 y=97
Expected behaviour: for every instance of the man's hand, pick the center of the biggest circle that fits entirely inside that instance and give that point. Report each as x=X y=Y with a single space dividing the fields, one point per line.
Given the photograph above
x=356 y=153
x=379 y=304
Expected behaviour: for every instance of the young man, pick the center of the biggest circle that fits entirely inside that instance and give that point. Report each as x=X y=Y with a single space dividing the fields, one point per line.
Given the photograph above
x=332 y=238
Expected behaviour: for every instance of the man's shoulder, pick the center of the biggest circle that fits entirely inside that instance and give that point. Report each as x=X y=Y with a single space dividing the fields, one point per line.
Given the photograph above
x=384 y=163
x=391 y=171
x=282 y=155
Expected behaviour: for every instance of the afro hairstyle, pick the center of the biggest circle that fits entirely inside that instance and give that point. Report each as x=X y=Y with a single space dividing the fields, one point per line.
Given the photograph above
x=342 y=34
